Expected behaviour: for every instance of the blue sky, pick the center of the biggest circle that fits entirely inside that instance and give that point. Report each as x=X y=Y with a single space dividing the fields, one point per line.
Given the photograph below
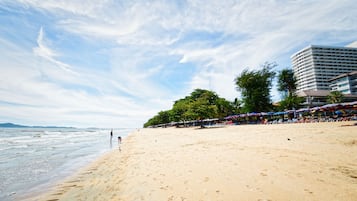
x=112 y=63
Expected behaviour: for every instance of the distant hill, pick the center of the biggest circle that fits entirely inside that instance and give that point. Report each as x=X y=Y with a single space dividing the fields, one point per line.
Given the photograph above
x=11 y=125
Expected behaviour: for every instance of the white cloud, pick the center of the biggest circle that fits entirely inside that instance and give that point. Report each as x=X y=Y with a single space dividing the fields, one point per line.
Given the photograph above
x=98 y=29
x=45 y=52
x=42 y=50
x=34 y=99
x=87 y=8
x=353 y=44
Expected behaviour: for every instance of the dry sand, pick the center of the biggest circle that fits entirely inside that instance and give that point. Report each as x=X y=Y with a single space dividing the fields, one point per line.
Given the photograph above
x=315 y=161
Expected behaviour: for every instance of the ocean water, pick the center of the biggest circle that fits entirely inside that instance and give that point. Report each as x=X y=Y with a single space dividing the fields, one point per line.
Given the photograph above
x=33 y=159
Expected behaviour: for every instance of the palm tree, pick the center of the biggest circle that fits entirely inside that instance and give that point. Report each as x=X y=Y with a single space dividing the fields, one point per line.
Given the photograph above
x=291 y=102
x=335 y=97
x=287 y=85
x=287 y=82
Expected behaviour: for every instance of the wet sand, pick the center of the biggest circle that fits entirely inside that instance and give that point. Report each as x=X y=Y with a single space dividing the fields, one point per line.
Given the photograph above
x=311 y=161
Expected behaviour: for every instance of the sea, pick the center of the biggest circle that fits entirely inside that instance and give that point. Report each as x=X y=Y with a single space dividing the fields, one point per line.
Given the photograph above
x=32 y=160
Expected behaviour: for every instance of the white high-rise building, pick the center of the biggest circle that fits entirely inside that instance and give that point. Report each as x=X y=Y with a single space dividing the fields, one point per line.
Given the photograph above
x=314 y=66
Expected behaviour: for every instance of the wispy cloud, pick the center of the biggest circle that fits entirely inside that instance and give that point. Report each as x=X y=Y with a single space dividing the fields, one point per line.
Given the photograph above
x=45 y=52
x=42 y=50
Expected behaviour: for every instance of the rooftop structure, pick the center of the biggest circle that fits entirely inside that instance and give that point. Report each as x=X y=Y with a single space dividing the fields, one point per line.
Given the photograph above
x=314 y=98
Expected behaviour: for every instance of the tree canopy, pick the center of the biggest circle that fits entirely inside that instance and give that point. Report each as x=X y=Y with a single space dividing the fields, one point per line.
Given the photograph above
x=255 y=88
x=335 y=97
x=200 y=104
x=287 y=86
x=287 y=82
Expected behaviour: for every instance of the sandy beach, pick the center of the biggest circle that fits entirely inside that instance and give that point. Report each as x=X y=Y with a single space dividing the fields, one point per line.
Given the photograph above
x=311 y=161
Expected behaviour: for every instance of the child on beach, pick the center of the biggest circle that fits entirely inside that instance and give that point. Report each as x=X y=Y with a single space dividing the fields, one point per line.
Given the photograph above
x=119 y=139
x=119 y=142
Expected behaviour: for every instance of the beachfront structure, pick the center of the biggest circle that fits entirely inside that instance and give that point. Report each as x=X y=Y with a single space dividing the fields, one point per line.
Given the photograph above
x=314 y=66
x=345 y=83
x=313 y=98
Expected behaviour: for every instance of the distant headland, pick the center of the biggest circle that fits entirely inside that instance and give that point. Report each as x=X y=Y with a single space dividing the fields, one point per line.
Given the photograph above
x=12 y=125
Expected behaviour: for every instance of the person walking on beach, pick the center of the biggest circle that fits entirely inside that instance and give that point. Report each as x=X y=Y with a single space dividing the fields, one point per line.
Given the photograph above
x=111 y=138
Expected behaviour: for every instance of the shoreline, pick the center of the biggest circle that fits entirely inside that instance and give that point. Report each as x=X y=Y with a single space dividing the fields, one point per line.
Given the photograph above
x=312 y=161
x=70 y=168
x=72 y=180
x=68 y=172
x=34 y=158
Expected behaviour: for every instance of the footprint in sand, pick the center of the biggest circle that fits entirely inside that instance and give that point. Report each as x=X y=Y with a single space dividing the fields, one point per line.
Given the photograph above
x=307 y=190
x=164 y=187
x=206 y=179
x=263 y=174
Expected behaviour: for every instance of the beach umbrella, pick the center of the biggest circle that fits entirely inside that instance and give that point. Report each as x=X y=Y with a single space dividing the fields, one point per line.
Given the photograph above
x=280 y=113
x=338 y=112
x=329 y=106
x=303 y=110
x=349 y=104
x=252 y=114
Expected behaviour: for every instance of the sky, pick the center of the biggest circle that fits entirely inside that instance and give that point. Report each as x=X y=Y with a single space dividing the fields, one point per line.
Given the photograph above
x=117 y=63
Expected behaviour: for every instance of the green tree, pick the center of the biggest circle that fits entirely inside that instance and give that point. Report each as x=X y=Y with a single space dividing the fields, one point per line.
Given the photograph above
x=287 y=82
x=287 y=85
x=224 y=108
x=163 y=117
x=179 y=109
x=209 y=96
x=255 y=88
x=200 y=104
x=335 y=97
x=291 y=102
x=237 y=106
x=201 y=109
